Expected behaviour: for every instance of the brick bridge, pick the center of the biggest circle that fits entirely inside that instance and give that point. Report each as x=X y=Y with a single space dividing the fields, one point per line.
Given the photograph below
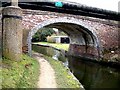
x=90 y=37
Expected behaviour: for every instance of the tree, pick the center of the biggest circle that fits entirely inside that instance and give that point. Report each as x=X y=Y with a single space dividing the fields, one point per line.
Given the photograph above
x=42 y=34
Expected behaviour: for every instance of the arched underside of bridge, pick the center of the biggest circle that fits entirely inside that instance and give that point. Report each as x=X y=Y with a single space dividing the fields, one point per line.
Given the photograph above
x=83 y=41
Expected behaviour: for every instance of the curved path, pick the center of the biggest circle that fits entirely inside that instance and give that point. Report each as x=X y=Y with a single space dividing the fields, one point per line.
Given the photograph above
x=47 y=74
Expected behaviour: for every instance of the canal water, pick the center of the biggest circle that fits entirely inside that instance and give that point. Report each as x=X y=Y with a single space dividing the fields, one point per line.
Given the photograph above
x=91 y=75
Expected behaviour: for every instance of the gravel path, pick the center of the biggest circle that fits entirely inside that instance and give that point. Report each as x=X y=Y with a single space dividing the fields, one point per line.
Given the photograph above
x=47 y=74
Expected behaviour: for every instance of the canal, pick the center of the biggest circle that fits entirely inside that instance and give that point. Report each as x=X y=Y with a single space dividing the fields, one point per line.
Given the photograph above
x=90 y=75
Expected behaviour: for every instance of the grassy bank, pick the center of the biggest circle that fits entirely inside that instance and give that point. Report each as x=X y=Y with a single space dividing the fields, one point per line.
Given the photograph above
x=56 y=45
x=63 y=78
x=22 y=74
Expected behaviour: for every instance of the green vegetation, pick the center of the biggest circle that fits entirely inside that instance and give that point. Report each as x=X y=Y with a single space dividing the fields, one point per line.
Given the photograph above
x=56 y=45
x=63 y=78
x=51 y=39
x=41 y=34
x=20 y=74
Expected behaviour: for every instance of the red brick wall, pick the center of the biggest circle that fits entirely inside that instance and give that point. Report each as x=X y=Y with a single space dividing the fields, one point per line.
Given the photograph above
x=80 y=50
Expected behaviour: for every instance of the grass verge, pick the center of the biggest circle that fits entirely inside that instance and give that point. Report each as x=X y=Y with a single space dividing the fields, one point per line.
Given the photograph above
x=20 y=74
x=63 y=78
x=56 y=45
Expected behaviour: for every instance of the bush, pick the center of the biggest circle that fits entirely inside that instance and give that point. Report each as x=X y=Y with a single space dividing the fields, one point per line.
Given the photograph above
x=42 y=34
x=51 y=39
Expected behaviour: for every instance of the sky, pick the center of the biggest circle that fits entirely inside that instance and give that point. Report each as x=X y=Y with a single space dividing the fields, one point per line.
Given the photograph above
x=104 y=4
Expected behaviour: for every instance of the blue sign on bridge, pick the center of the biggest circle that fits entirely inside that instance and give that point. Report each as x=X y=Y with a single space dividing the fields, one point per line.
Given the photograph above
x=59 y=4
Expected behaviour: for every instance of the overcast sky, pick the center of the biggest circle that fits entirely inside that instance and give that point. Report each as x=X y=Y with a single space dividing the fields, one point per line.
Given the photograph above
x=104 y=4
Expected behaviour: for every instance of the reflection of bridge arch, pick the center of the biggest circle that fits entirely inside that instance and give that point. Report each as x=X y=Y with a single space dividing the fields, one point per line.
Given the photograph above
x=79 y=32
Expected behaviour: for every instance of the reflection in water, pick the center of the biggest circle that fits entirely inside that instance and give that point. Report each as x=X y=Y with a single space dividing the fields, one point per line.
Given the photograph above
x=56 y=54
x=91 y=75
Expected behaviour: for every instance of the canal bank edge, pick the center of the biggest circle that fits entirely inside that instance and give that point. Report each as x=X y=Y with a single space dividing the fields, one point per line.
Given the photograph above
x=68 y=71
x=101 y=62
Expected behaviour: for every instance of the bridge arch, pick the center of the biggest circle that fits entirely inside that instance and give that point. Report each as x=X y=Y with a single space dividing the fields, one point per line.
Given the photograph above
x=79 y=32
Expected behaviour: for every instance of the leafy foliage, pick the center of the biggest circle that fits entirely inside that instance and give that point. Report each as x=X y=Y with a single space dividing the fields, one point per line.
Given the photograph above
x=51 y=39
x=42 y=34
